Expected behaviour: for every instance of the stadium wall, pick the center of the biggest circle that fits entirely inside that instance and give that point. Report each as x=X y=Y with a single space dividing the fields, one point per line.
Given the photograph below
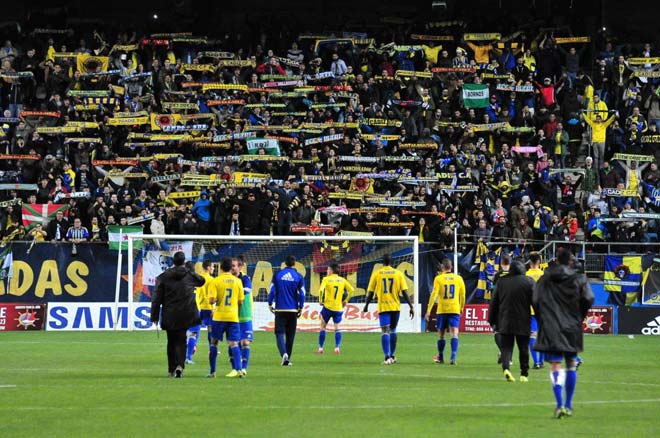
x=54 y=289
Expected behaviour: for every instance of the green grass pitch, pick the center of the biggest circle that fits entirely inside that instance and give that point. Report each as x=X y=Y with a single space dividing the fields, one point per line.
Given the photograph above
x=96 y=384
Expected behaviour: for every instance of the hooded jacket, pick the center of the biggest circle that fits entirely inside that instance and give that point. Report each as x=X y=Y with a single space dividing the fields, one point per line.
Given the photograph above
x=202 y=208
x=561 y=300
x=510 y=305
x=175 y=292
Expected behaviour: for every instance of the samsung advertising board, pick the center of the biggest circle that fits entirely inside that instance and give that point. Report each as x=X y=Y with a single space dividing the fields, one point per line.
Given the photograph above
x=98 y=316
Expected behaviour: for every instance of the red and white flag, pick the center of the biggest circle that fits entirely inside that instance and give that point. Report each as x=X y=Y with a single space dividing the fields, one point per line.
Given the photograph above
x=41 y=213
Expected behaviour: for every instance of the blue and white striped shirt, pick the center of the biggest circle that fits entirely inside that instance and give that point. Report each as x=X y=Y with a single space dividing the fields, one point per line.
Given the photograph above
x=77 y=233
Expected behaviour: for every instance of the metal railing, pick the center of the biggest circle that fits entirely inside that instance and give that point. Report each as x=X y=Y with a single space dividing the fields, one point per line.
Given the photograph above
x=594 y=253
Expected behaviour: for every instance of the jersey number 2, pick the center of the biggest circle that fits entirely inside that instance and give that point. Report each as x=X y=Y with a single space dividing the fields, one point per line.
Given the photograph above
x=228 y=296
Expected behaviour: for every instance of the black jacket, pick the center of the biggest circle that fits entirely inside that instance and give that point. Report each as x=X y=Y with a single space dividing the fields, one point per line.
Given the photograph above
x=510 y=306
x=174 y=291
x=562 y=298
x=52 y=229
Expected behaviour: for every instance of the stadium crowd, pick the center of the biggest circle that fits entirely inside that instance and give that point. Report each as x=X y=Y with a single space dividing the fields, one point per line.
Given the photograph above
x=503 y=136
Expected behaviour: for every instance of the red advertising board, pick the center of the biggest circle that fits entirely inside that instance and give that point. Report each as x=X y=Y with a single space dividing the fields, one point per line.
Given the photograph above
x=475 y=319
x=598 y=320
x=22 y=316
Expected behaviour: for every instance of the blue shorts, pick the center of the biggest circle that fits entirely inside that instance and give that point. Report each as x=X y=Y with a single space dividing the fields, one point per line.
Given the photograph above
x=246 y=331
x=446 y=320
x=207 y=317
x=335 y=315
x=232 y=329
x=534 y=325
x=557 y=356
x=389 y=318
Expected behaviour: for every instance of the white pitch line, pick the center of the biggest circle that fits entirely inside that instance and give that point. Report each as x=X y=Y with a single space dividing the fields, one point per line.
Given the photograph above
x=449 y=377
x=374 y=374
x=79 y=342
x=7 y=386
x=328 y=407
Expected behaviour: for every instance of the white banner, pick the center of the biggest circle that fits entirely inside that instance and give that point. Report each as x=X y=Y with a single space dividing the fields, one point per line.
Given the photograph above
x=155 y=262
x=270 y=145
x=354 y=319
x=97 y=316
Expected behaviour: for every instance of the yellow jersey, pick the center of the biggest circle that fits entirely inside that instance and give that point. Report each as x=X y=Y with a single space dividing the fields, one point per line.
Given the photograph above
x=331 y=292
x=481 y=52
x=633 y=184
x=599 y=129
x=228 y=292
x=202 y=293
x=431 y=53
x=535 y=274
x=388 y=283
x=449 y=290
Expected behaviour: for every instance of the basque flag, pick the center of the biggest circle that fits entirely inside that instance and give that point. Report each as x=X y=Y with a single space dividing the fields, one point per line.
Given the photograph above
x=41 y=213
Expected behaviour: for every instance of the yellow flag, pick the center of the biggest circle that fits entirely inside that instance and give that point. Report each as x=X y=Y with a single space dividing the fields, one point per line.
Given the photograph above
x=87 y=63
x=160 y=121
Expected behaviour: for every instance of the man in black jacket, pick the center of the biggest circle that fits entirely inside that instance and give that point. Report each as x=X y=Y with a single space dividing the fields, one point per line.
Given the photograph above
x=510 y=314
x=175 y=292
x=562 y=297
x=505 y=265
x=58 y=227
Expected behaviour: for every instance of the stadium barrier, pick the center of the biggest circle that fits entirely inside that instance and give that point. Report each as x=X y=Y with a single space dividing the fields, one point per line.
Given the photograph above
x=639 y=321
x=50 y=273
x=53 y=289
x=22 y=316
x=601 y=320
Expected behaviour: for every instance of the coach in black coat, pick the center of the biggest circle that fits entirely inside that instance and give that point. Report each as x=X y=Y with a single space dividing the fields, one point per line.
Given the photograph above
x=510 y=314
x=175 y=293
x=562 y=298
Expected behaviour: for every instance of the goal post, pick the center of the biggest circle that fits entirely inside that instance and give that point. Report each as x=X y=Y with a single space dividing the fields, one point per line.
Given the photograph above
x=357 y=257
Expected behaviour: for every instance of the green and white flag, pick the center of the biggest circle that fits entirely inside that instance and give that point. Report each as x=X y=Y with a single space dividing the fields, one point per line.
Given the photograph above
x=113 y=236
x=475 y=95
x=270 y=145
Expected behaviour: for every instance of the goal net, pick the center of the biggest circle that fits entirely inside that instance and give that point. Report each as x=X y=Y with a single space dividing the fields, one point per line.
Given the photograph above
x=357 y=257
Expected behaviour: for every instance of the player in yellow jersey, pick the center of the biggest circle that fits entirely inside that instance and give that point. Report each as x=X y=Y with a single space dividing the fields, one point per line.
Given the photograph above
x=244 y=312
x=334 y=293
x=227 y=295
x=449 y=290
x=388 y=284
x=205 y=308
x=535 y=272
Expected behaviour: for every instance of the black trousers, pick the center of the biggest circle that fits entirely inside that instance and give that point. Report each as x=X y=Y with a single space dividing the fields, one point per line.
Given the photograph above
x=176 y=349
x=286 y=323
x=506 y=341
